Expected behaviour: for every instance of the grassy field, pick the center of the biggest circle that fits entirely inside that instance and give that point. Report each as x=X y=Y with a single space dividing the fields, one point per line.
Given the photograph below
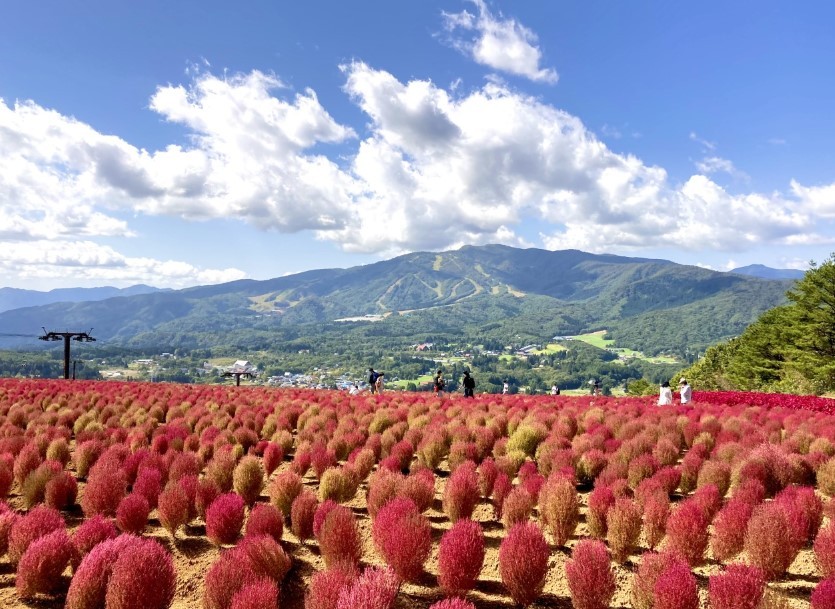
x=595 y=339
x=549 y=349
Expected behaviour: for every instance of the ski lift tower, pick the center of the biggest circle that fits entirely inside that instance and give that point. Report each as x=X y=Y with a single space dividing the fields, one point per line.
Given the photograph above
x=82 y=337
x=241 y=369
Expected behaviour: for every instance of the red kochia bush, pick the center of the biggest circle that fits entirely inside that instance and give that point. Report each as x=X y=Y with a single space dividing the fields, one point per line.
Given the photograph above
x=729 y=526
x=376 y=588
x=40 y=568
x=173 y=508
x=601 y=499
x=403 y=537
x=523 y=562
x=339 y=539
x=88 y=587
x=768 y=540
x=591 y=580
x=460 y=557
x=825 y=550
x=301 y=515
x=142 y=575
x=205 y=494
x=38 y=522
x=225 y=577
x=265 y=519
x=823 y=596
x=7 y=520
x=325 y=587
x=559 y=508
x=262 y=594
x=61 y=491
x=284 y=489
x=643 y=584
x=265 y=557
x=273 y=456
x=148 y=484
x=517 y=507
x=687 y=532
x=676 y=588
x=224 y=519
x=461 y=492
x=321 y=513
x=104 y=490
x=132 y=514
x=623 y=524
x=501 y=489
x=248 y=479
x=656 y=512
x=738 y=587
x=92 y=532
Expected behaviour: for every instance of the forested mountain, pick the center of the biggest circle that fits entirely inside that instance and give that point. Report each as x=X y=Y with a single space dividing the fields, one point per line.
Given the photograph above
x=766 y=272
x=491 y=293
x=790 y=348
x=15 y=298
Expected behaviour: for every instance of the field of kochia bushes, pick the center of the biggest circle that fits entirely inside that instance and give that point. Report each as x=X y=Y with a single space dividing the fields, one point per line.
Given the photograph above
x=408 y=500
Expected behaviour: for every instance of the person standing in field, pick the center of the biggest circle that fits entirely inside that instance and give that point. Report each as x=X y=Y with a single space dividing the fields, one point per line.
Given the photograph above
x=439 y=383
x=665 y=397
x=686 y=391
x=505 y=388
x=469 y=385
x=555 y=390
x=379 y=383
x=372 y=380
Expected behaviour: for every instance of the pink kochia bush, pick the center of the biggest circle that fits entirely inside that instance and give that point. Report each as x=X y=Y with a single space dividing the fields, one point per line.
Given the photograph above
x=92 y=532
x=728 y=537
x=591 y=580
x=325 y=587
x=601 y=499
x=768 y=540
x=302 y=514
x=623 y=523
x=559 y=508
x=461 y=492
x=132 y=514
x=265 y=519
x=676 y=588
x=738 y=587
x=261 y=594
x=825 y=550
x=653 y=566
x=403 y=537
x=224 y=519
x=339 y=538
x=376 y=588
x=687 y=532
x=40 y=568
x=823 y=596
x=38 y=522
x=452 y=603
x=523 y=562
x=460 y=557
x=124 y=573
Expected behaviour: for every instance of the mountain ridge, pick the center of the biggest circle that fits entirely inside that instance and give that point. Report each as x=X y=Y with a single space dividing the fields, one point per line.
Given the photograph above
x=527 y=292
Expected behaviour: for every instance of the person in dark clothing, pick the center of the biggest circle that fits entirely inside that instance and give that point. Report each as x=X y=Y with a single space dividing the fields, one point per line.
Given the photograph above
x=440 y=384
x=469 y=385
x=372 y=380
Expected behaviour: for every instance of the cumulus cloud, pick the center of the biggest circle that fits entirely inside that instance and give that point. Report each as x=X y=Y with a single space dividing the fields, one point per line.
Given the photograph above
x=715 y=164
x=432 y=170
x=87 y=261
x=501 y=44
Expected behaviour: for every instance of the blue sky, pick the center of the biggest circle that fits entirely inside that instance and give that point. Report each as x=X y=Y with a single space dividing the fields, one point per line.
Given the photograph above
x=176 y=143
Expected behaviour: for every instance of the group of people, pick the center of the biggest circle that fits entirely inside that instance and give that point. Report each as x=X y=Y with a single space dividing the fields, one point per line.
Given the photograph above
x=439 y=384
x=665 y=398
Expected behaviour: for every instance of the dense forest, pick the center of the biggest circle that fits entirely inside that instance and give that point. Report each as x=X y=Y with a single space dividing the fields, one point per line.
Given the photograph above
x=789 y=349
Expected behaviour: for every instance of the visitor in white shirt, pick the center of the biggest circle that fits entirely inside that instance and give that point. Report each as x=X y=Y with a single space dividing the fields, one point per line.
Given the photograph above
x=686 y=391
x=665 y=398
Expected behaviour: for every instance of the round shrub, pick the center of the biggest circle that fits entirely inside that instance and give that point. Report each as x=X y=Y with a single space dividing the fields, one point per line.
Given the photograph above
x=823 y=596
x=652 y=566
x=262 y=594
x=687 y=532
x=89 y=584
x=591 y=580
x=273 y=456
x=224 y=519
x=339 y=539
x=517 y=507
x=38 y=522
x=89 y=534
x=326 y=586
x=768 y=541
x=266 y=557
x=104 y=490
x=265 y=519
x=460 y=557
x=302 y=513
x=676 y=588
x=148 y=484
x=559 y=508
x=403 y=537
x=825 y=550
x=284 y=489
x=656 y=512
x=172 y=508
x=376 y=588
x=248 y=479
x=523 y=562
x=40 y=568
x=728 y=537
x=623 y=524
x=61 y=491
x=206 y=492
x=461 y=492
x=601 y=499
x=143 y=574
x=225 y=577
x=132 y=514
x=738 y=587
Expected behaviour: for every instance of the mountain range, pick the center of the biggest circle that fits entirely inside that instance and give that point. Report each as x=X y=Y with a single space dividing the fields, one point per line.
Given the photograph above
x=474 y=293
x=766 y=272
x=15 y=298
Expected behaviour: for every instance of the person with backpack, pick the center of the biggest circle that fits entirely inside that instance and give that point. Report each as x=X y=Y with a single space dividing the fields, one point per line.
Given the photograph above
x=469 y=385
x=372 y=380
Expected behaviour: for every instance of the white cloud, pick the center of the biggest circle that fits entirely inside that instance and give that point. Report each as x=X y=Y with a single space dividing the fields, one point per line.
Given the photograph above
x=501 y=44
x=86 y=261
x=434 y=170
x=706 y=144
x=715 y=164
